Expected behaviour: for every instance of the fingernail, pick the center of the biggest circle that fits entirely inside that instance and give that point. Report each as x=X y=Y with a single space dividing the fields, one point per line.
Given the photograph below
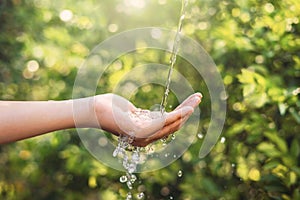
x=199 y=95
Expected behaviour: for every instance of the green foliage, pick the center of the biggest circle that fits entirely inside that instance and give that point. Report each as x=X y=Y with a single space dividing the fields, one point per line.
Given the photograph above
x=255 y=44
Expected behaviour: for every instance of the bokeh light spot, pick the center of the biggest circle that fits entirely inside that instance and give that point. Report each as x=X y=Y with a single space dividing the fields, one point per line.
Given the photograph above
x=269 y=7
x=113 y=28
x=32 y=66
x=66 y=15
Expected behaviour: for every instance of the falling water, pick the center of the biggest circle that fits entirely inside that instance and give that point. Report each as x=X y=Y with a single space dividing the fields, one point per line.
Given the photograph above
x=130 y=160
x=173 y=56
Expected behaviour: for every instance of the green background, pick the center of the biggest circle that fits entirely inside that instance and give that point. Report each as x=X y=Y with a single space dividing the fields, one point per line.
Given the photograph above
x=256 y=47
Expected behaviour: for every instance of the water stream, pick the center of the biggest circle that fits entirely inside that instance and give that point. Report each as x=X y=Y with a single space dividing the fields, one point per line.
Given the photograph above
x=173 y=56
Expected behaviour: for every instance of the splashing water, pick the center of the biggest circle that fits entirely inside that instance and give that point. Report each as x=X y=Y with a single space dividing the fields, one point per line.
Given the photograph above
x=180 y=173
x=123 y=179
x=173 y=56
x=129 y=196
x=141 y=195
x=131 y=159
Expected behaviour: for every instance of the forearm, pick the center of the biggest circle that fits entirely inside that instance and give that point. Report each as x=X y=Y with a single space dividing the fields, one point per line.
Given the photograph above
x=20 y=120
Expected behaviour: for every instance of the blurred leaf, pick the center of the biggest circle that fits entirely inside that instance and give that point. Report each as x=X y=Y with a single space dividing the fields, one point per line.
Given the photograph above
x=249 y=89
x=295 y=148
x=254 y=86
x=281 y=144
x=295 y=114
x=271 y=164
x=269 y=149
x=247 y=76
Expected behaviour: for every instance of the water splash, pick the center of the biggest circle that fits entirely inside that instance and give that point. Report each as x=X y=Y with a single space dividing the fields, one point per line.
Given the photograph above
x=131 y=159
x=129 y=196
x=140 y=195
x=180 y=173
x=123 y=179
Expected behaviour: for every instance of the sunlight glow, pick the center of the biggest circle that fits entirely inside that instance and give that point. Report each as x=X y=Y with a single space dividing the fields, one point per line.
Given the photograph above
x=135 y=3
x=66 y=15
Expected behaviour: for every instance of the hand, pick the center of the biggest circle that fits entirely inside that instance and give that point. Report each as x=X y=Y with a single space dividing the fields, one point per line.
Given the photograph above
x=20 y=120
x=120 y=117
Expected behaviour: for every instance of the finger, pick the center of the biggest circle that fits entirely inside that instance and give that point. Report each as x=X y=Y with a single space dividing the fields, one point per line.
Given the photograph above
x=167 y=130
x=178 y=114
x=150 y=127
x=193 y=101
x=172 y=127
x=184 y=120
x=164 y=132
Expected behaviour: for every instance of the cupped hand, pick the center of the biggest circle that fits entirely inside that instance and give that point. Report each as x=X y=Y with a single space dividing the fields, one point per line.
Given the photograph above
x=120 y=117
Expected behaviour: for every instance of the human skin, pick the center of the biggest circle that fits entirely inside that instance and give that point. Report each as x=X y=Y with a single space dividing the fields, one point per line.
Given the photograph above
x=24 y=119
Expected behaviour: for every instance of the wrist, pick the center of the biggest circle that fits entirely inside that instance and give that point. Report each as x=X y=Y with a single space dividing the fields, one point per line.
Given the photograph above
x=84 y=113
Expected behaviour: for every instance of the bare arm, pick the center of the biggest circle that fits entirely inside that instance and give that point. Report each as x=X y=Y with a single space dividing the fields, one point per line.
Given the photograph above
x=24 y=119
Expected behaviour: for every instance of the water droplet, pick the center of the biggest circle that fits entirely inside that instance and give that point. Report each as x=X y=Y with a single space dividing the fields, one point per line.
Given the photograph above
x=151 y=150
x=141 y=195
x=129 y=185
x=182 y=17
x=130 y=140
x=223 y=139
x=123 y=179
x=116 y=152
x=129 y=196
x=131 y=168
x=135 y=157
x=171 y=197
x=133 y=178
x=200 y=135
x=164 y=141
x=180 y=173
x=173 y=137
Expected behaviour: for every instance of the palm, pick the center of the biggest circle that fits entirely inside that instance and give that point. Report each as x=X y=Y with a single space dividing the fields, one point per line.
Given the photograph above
x=120 y=117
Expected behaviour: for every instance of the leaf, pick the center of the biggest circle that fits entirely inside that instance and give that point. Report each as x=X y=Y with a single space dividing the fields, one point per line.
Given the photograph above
x=260 y=80
x=296 y=170
x=295 y=114
x=236 y=129
x=248 y=89
x=276 y=94
x=247 y=76
x=295 y=148
x=271 y=165
x=292 y=178
x=257 y=100
x=280 y=143
x=289 y=161
x=269 y=149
